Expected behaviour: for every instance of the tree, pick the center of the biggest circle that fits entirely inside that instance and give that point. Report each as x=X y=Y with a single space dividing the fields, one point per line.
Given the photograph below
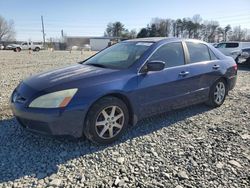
x=7 y=31
x=143 y=33
x=115 y=29
x=238 y=34
x=153 y=31
x=226 y=30
x=129 y=34
x=179 y=28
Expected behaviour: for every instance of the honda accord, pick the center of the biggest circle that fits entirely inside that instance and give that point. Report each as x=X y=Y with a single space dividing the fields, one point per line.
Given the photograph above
x=104 y=94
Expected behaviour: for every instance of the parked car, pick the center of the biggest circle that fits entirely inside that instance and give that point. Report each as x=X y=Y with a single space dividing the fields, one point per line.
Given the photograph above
x=1 y=47
x=232 y=48
x=243 y=56
x=10 y=47
x=101 y=96
x=28 y=46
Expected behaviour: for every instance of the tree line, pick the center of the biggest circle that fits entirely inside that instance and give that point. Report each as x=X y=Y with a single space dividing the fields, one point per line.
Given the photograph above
x=195 y=28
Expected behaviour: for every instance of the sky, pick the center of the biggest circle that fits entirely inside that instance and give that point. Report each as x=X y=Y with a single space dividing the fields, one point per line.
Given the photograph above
x=90 y=18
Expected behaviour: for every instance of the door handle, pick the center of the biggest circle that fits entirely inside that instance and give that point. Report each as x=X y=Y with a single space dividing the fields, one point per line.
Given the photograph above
x=183 y=73
x=216 y=67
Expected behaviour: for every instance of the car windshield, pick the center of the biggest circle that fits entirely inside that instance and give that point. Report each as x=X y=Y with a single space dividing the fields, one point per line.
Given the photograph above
x=119 y=56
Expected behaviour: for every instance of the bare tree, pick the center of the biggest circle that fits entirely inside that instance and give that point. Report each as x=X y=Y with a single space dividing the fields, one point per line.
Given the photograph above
x=238 y=34
x=226 y=30
x=7 y=31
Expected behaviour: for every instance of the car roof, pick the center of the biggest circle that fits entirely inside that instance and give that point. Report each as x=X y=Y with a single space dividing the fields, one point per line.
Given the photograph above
x=154 y=39
x=166 y=39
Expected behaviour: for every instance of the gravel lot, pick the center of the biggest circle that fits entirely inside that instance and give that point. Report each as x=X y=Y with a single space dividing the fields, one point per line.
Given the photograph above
x=192 y=147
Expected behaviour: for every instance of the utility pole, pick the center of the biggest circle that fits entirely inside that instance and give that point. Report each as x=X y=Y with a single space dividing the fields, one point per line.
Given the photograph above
x=43 y=31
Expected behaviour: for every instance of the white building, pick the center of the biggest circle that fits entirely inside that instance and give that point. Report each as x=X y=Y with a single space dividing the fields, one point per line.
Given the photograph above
x=96 y=43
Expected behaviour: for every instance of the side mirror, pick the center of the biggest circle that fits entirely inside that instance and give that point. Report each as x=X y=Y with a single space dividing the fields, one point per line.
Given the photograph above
x=245 y=55
x=154 y=66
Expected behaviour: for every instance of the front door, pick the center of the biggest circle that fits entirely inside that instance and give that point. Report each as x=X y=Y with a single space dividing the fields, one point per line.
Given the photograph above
x=164 y=90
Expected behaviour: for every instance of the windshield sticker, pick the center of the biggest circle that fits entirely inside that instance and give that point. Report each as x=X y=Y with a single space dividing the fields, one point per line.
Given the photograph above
x=144 y=44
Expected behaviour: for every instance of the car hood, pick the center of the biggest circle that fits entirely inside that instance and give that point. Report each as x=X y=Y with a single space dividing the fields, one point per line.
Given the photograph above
x=65 y=75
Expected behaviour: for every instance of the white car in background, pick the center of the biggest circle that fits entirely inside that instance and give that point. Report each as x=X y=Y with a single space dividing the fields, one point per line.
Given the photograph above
x=35 y=46
x=232 y=49
x=1 y=46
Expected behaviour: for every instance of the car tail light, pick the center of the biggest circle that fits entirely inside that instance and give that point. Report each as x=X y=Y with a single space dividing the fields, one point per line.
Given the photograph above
x=235 y=67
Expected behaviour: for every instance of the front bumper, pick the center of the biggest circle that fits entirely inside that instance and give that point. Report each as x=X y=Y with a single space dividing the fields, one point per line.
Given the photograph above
x=57 y=122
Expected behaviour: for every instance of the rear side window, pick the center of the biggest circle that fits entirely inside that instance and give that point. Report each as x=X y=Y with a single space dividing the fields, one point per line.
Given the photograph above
x=221 y=45
x=212 y=56
x=198 y=52
x=172 y=54
x=246 y=50
x=232 y=45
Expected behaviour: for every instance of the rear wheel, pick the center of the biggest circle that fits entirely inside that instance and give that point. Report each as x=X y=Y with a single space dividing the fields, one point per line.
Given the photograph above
x=217 y=93
x=106 y=120
x=37 y=49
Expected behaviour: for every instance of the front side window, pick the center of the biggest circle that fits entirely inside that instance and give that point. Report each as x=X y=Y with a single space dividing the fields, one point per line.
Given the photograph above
x=119 y=56
x=25 y=43
x=198 y=52
x=172 y=54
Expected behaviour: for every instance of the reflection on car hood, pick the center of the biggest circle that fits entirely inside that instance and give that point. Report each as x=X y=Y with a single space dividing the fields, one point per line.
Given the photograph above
x=63 y=75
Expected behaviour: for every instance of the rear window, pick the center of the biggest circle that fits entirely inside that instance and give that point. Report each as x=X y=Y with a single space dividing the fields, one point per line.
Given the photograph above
x=232 y=45
x=198 y=52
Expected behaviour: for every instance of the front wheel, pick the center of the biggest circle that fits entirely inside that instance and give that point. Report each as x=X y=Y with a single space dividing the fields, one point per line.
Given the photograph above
x=217 y=93
x=106 y=120
x=17 y=49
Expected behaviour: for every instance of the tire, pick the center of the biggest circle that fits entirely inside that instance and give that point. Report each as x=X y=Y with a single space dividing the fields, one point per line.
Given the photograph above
x=100 y=123
x=17 y=49
x=216 y=100
x=37 y=49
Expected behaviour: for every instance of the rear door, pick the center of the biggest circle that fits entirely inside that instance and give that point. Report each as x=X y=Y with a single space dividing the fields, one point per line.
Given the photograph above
x=164 y=90
x=204 y=68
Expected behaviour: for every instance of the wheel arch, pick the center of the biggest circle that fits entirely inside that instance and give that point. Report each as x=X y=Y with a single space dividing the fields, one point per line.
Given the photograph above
x=226 y=81
x=123 y=98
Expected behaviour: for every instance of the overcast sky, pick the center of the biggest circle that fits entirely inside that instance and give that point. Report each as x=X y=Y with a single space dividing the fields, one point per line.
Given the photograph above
x=89 y=18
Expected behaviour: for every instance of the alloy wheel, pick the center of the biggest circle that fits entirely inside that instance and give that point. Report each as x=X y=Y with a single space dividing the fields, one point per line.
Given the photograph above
x=219 y=93
x=109 y=122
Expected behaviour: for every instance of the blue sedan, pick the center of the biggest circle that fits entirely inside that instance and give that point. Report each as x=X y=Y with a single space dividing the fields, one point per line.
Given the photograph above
x=101 y=96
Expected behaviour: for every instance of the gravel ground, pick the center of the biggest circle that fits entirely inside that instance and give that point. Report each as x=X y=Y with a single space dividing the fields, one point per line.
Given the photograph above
x=192 y=147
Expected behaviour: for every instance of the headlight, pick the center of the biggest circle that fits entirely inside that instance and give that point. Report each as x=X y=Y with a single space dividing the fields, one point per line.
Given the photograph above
x=54 y=100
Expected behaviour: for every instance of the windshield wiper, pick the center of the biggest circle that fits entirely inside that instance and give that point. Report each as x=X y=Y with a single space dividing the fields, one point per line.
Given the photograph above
x=97 y=65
